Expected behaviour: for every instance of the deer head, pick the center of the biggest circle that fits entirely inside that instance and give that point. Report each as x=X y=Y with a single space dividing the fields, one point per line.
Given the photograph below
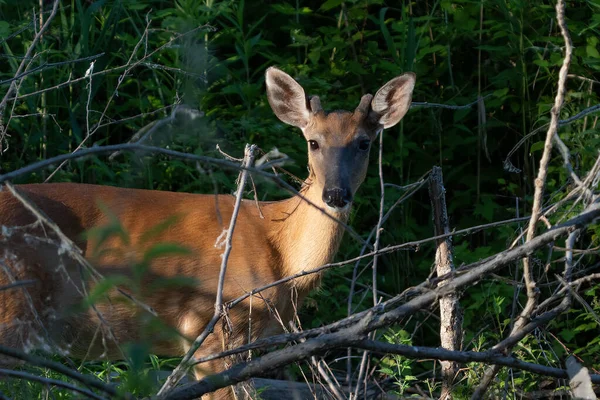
x=338 y=141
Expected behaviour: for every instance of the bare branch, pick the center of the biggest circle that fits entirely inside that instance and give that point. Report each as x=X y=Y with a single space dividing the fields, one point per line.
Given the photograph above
x=580 y=380
x=48 y=381
x=88 y=380
x=176 y=36
x=560 y=293
x=183 y=367
x=18 y=284
x=34 y=43
x=540 y=182
x=46 y=66
x=508 y=165
x=378 y=230
x=351 y=330
x=450 y=312
x=447 y=106
x=392 y=311
x=13 y=84
x=465 y=357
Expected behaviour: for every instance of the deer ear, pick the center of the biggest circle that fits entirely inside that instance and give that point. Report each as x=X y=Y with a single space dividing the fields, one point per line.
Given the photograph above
x=287 y=98
x=392 y=101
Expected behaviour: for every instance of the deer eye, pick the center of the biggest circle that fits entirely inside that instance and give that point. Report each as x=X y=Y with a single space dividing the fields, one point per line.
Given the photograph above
x=313 y=145
x=364 y=144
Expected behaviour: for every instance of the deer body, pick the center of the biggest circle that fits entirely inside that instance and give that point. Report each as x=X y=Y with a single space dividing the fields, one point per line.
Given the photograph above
x=256 y=259
x=290 y=236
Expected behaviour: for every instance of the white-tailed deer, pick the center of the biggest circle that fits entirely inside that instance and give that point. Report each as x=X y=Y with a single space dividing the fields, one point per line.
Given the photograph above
x=293 y=236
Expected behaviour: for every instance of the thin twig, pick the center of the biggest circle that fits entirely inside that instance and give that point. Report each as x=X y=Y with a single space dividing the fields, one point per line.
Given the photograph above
x=540 y=182
x=176 y=36
x=447 y=106
x=414 y=187
x=89 y=73
x=27 y=56
x=18 y=284
x=90 y=381
x=47 y=381
x=464 y=357
x=508 y=165
x=22 y=67
x=559 y=294
x=46 y=66
x=183 y=367
x=378 y=229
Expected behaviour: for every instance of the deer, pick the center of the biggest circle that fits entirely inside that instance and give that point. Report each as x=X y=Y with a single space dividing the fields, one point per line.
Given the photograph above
x=275 y=240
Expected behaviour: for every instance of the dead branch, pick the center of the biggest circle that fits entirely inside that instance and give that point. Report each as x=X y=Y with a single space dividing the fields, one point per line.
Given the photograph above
x=26 y=57
x=24 y=62
x=448 y=106
x=47 y=381
x=488 y=357
x=464 y=276
x=450 y=311
x=47 y=66
x=540 y=182
x=378 y=229
x=352 y=330
x=580 y=380
x=183 y=367
x=90 y=381
x=545 y=160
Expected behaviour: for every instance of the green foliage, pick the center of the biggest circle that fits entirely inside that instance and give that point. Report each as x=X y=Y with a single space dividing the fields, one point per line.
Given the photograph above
x=398 y=367
x=339 y=50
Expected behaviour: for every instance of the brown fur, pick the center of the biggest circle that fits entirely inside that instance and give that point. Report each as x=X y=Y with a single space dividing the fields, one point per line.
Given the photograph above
x=293 y=236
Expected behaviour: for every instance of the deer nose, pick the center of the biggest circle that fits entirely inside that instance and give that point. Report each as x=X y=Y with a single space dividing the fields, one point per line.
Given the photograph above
x=337 y=198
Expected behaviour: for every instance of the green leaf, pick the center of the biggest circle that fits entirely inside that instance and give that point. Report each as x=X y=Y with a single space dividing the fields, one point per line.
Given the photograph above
x=501 y=92
x=388 y=38
x=329 y=4
x=592 y=52
x=567 y=334
x=4 y=29
x=433 y=49
x=537 y=146
x=288 y=9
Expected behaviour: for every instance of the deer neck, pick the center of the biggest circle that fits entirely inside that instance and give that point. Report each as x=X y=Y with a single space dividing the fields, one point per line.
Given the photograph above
x=306 y=236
